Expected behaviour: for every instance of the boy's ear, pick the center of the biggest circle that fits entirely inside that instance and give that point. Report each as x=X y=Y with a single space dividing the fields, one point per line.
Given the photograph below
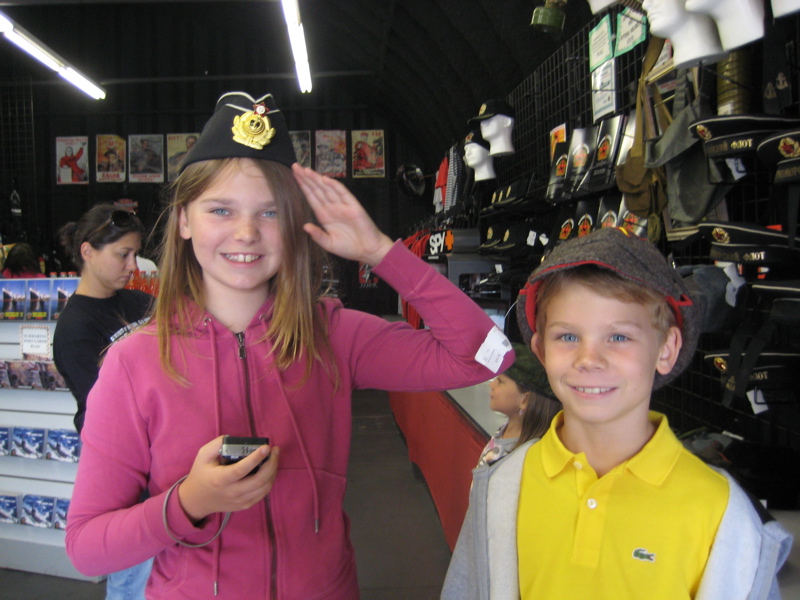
x=669 y=351
x=537 y=348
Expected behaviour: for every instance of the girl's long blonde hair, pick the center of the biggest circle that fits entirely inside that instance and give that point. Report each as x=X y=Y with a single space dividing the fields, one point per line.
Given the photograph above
x=298 y=326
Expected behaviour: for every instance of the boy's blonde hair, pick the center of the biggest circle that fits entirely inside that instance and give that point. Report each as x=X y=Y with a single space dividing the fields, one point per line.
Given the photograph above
x=298 y=326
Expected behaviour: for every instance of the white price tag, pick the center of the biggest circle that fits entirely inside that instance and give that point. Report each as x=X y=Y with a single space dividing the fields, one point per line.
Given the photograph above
x=757 y=402
x=493 y=349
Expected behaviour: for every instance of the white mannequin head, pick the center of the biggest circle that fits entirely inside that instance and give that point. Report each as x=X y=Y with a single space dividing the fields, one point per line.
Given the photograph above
x=694 y=36
x=739 y=22
x=598 y=5
x=781 y=8
x=477 y=157
x=497 y=131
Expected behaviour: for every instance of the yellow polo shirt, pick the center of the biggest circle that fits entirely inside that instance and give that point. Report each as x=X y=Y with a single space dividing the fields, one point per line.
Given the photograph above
x=643 y=530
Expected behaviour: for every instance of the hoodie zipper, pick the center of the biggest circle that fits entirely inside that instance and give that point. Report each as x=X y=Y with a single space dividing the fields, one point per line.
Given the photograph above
x=253 y=432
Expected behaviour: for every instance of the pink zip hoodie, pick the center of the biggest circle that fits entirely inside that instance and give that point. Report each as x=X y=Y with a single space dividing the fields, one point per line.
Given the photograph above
x=143 y=430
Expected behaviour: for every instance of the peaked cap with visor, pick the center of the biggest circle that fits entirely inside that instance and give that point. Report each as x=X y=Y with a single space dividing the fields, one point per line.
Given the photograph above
x=629 y=257
x=243 y=127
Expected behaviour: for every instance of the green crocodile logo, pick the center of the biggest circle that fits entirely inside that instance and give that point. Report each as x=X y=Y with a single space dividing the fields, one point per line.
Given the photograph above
x=642 y=554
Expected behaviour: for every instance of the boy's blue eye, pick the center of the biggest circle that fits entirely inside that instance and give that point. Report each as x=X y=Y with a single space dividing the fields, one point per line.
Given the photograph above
x=618 y=337
x=569 y=337
x=219 y=211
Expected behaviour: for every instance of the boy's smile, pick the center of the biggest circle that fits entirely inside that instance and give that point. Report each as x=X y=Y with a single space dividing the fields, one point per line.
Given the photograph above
x=601 y=355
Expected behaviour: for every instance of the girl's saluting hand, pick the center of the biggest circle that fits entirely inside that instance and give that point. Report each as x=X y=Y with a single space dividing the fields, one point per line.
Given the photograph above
x=345 y=227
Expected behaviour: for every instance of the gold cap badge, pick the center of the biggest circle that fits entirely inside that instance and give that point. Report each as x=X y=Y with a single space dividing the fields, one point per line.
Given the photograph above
x=253 y=129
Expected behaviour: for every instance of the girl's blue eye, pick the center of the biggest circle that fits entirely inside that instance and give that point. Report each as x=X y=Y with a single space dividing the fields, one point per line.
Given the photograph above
x=270 y=214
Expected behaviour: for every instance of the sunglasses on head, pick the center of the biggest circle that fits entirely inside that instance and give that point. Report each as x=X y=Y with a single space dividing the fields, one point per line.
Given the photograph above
x=117 y=218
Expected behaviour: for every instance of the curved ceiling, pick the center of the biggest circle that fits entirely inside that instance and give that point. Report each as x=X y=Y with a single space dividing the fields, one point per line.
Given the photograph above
x=425 y=66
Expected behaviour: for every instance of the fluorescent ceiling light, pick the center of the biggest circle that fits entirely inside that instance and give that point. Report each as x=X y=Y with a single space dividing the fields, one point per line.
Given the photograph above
x=80 y=82
x=42 y=55
x=297 y=39
x=25 y=41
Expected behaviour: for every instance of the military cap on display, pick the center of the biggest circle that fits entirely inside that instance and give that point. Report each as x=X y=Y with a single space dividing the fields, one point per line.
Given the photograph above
x=629 y=257
x=242 y=127
x=492 y=108
x=528 y=372
x=781 y=150
x=474 y=136
x=751 y=244
x=730 y=135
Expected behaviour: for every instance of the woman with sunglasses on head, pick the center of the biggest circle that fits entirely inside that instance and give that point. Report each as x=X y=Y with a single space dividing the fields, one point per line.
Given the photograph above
x=244 y=342
x=102 y=245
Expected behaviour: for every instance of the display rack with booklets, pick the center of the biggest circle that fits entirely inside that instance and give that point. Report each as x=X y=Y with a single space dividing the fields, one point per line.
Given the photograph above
x=41 y=485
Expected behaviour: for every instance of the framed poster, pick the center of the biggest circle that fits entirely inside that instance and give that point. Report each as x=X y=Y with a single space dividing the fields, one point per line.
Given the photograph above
x=368 y=153
x=301 y=140
x=330 y=157
x=72 y=160
x=178 y=144
x=110 y=158
x=146 y=158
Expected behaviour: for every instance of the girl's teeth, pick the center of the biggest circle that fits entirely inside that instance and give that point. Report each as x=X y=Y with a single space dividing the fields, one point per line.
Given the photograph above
x=245 y=258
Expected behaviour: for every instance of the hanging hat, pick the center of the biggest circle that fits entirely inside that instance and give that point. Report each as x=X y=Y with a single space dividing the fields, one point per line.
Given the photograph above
x=492 y=108
x=631 y=258
x=242 y=127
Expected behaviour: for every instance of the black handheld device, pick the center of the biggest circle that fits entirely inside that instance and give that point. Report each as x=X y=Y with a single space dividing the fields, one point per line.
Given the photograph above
x=235 y=448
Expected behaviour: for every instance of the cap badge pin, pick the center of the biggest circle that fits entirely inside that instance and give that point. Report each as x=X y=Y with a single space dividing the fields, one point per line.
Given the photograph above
x=704 y=132
x=720 y=235
x=482 y=110
x=789 y=148
x=253 y=128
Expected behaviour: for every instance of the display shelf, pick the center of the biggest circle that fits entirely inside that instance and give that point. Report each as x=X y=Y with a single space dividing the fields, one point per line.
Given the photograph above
x=36 y=550
x=24 y=547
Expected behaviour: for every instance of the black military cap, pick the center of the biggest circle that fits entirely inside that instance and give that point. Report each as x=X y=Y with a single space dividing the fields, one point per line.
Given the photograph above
x=781 y=150
x=474 y=136
x=729 y=135
x=242 y=127
x=492 y=108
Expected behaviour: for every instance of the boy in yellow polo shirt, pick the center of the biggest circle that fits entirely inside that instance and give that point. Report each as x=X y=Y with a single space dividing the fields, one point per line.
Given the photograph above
x=608 y=505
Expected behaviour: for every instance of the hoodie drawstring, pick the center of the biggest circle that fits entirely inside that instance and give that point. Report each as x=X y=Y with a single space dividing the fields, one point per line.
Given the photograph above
x=217 y=432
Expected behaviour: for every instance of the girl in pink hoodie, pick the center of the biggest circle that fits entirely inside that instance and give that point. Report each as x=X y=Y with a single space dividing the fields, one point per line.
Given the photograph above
x=245 y=342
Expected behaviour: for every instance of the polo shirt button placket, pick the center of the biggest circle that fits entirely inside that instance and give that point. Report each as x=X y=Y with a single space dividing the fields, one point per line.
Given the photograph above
x=591 y=503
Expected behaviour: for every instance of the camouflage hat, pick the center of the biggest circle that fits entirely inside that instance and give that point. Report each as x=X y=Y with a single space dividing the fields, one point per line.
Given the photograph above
x=242 y=127
x=629 y=257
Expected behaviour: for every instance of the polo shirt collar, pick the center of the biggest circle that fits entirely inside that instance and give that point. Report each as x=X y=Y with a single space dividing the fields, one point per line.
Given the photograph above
x=652 y=464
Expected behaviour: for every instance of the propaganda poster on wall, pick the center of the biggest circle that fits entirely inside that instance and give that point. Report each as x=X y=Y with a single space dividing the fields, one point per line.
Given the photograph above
x=146 y=158
x=178 y=144
x=72 y=160
x=368 y=153
x=301 y=140
x=331 y=153
x=110 y=158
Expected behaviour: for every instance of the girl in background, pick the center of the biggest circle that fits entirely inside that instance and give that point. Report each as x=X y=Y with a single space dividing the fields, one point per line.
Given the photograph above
x=524 y=396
